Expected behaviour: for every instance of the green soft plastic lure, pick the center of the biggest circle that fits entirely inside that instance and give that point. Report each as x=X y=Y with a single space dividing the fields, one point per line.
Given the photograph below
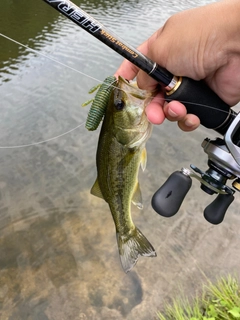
x=99 y=103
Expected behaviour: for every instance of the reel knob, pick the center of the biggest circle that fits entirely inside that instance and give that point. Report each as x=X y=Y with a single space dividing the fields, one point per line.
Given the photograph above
x=215 y=211
x=168 y=198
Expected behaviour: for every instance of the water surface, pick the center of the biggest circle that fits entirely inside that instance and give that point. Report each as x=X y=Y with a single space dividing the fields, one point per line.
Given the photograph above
x=58 y=251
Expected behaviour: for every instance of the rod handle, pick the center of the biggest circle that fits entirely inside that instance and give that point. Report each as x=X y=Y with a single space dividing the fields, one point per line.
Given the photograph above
x=200 y=100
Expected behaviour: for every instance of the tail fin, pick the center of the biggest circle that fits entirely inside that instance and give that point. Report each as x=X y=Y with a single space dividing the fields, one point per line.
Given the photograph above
x=130 y=247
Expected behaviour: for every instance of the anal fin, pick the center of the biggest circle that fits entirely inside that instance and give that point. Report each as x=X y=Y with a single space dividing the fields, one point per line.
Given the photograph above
x=144 y=159
x=137 y=197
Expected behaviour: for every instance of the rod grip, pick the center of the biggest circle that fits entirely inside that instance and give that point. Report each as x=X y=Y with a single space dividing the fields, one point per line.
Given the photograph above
x=200 y=100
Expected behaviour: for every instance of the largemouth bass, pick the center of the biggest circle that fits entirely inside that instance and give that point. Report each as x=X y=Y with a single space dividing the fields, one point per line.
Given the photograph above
x=121 y=151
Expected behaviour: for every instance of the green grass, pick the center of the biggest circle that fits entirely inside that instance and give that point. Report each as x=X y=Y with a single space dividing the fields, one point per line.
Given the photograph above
x=220 y=301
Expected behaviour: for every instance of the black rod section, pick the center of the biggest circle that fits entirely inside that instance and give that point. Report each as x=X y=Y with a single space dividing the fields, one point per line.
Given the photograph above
x=96 y=29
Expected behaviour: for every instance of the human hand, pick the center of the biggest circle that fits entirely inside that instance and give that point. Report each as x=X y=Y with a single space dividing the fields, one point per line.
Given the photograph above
x=201 y=43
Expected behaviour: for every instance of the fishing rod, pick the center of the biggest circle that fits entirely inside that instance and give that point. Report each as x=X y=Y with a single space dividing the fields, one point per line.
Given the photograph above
x=177 y=88
x=223 y=154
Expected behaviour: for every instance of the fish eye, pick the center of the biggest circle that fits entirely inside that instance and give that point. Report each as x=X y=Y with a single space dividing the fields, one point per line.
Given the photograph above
x=119 y=105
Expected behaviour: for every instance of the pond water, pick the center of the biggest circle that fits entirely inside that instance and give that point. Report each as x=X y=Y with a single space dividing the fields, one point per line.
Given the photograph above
x=58 y=250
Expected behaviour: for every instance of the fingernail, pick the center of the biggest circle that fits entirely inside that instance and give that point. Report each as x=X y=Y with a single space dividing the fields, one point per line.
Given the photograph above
x=188 y=123
x=172 y=113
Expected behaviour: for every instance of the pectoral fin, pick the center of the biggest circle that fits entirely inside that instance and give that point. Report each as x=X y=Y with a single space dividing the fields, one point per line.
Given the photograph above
x=96 y=191
x=137 y=197
x=144 y=159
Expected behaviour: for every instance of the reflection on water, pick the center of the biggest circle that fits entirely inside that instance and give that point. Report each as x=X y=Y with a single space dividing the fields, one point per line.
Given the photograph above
x=58 y=251
x=29 y=23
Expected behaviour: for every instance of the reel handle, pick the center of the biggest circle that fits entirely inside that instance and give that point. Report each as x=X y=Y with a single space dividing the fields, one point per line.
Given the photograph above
x=168 y=198
x=215 y=211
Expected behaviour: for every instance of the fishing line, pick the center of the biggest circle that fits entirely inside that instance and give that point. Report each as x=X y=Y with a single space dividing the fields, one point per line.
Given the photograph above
x=52 y=59
x=80 y=72
x=40 y=142
x=48 y=57
x=93 y=78
x=197 y=104
x=56 y=61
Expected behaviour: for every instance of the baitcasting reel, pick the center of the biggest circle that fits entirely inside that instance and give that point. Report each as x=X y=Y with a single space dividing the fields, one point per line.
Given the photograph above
x=224 y=164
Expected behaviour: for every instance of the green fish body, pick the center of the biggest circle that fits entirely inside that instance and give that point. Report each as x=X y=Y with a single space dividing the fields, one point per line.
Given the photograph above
x=121 y=151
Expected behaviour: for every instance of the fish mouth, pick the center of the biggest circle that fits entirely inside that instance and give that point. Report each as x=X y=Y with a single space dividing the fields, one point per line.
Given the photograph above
x=131 y=88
